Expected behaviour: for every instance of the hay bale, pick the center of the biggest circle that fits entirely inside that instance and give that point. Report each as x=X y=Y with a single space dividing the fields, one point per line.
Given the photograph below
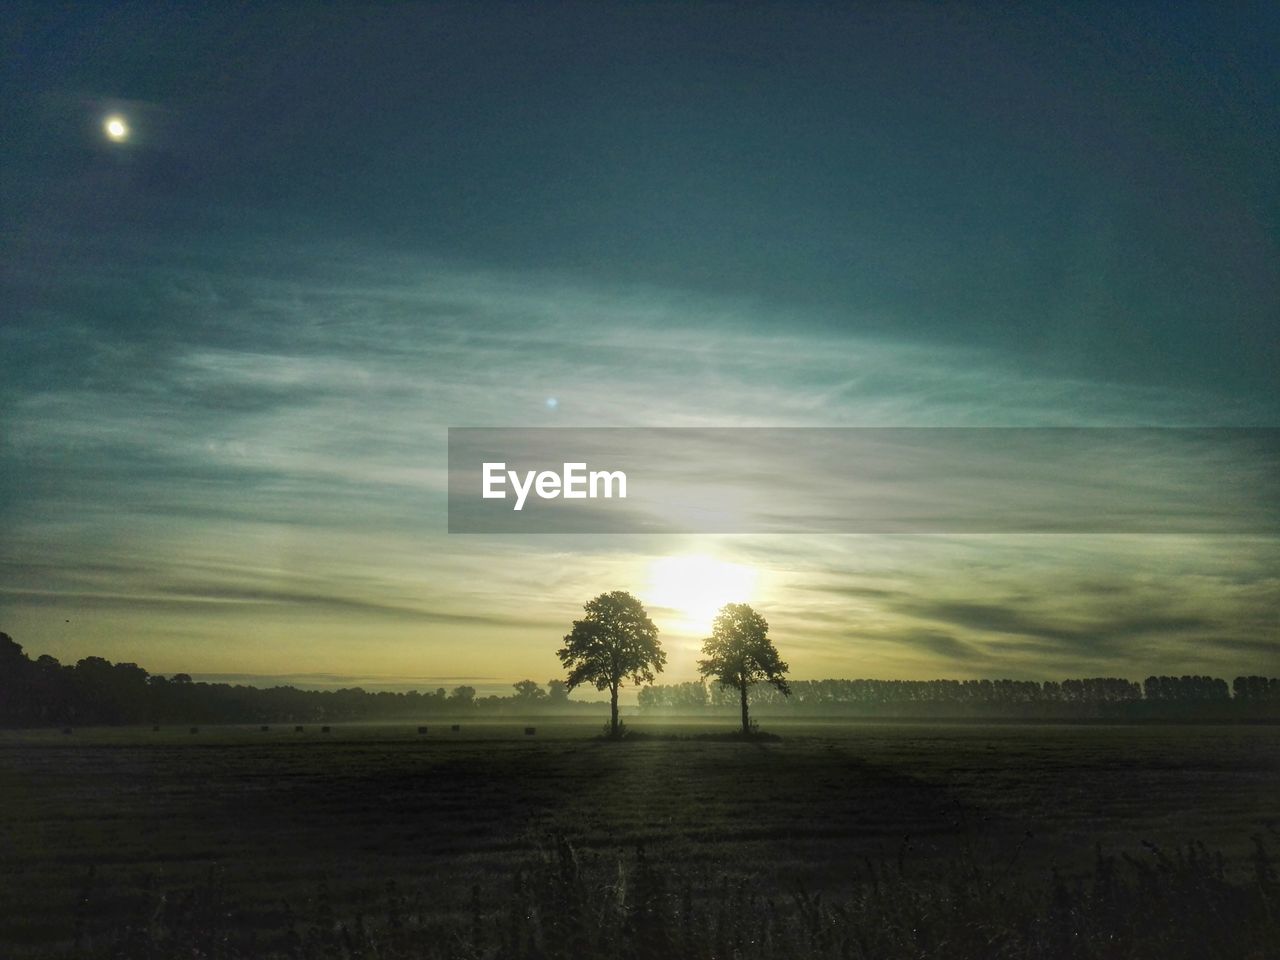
x=324 y=729
x=422 y=729
x=530 y=731
x=457 y=727
x=298 y=728
x=264 y=728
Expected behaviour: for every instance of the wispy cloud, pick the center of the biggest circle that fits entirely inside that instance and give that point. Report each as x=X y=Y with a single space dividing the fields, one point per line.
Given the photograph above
x=267 y=431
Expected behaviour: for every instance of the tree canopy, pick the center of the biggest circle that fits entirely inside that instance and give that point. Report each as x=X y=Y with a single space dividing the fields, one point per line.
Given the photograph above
x=739 y=653
x=615 y=642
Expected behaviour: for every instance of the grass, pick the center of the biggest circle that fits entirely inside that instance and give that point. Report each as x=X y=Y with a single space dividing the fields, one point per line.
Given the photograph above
x=274 y=818
x=562 y=906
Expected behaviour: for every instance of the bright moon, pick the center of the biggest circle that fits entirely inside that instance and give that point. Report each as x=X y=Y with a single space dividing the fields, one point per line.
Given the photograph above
x=696 y=587
x=117 y=130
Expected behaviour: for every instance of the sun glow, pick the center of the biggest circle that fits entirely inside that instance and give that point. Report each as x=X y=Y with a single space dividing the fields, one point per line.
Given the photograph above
x=695 y=587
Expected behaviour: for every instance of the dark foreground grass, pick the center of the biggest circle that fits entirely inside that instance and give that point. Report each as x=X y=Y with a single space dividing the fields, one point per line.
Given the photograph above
x=561 y=905
x=269 y=832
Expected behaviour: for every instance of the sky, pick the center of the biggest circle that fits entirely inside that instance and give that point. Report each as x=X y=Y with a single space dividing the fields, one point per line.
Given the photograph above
x=234 y=338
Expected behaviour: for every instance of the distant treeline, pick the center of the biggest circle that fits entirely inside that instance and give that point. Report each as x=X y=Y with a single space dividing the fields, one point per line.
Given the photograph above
x=96 y=691
x=1100 y=697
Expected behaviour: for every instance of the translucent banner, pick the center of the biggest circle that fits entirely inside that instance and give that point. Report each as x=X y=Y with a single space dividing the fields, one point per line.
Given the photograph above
x=864 y=480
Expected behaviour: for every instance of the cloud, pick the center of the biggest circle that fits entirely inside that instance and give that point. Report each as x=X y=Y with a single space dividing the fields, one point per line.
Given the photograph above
x=945 y=646
x=1083 y=634
x=235 y=429
x=991 y=618
x=199 y=599
x=1031 y=607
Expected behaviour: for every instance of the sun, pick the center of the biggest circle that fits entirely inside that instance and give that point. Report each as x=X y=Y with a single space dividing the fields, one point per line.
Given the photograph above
x=695 y=587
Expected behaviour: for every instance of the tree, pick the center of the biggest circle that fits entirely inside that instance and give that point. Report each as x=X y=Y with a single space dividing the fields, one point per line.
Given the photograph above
x=11 y=654
x=740 y=653
x=15 y=668
x=614 y=642
x=557 y=692
x=463 y=696
x=528 y=693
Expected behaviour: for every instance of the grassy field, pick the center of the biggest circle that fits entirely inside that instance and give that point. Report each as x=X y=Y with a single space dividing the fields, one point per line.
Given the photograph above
x=278 y=817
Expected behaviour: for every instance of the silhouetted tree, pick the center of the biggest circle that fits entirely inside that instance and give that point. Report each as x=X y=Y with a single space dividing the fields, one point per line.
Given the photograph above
x=11 y=656
x=1185 y=688
x=463 y=696
x=739 y=653
x=614 y=642
x=691 y=695
x=15 y=672
x=528 y=693
x=1256 y=689
x=94 y=690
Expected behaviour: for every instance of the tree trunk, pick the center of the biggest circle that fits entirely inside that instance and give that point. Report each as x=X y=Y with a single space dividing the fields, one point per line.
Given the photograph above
x=746 y=727
x=613 y=719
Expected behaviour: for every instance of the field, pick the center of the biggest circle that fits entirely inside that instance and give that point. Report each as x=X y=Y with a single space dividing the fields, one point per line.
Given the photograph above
x=325 y=821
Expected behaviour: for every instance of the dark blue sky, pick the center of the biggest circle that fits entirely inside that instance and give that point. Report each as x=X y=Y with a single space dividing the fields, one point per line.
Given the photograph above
x=1090 y=188
x=233 y=342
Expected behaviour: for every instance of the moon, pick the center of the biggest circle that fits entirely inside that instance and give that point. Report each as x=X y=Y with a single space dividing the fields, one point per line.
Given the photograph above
x=116 y=128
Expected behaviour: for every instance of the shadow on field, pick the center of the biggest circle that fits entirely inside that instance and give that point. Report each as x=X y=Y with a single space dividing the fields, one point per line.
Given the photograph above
x=277 y=820
x=733 y=736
